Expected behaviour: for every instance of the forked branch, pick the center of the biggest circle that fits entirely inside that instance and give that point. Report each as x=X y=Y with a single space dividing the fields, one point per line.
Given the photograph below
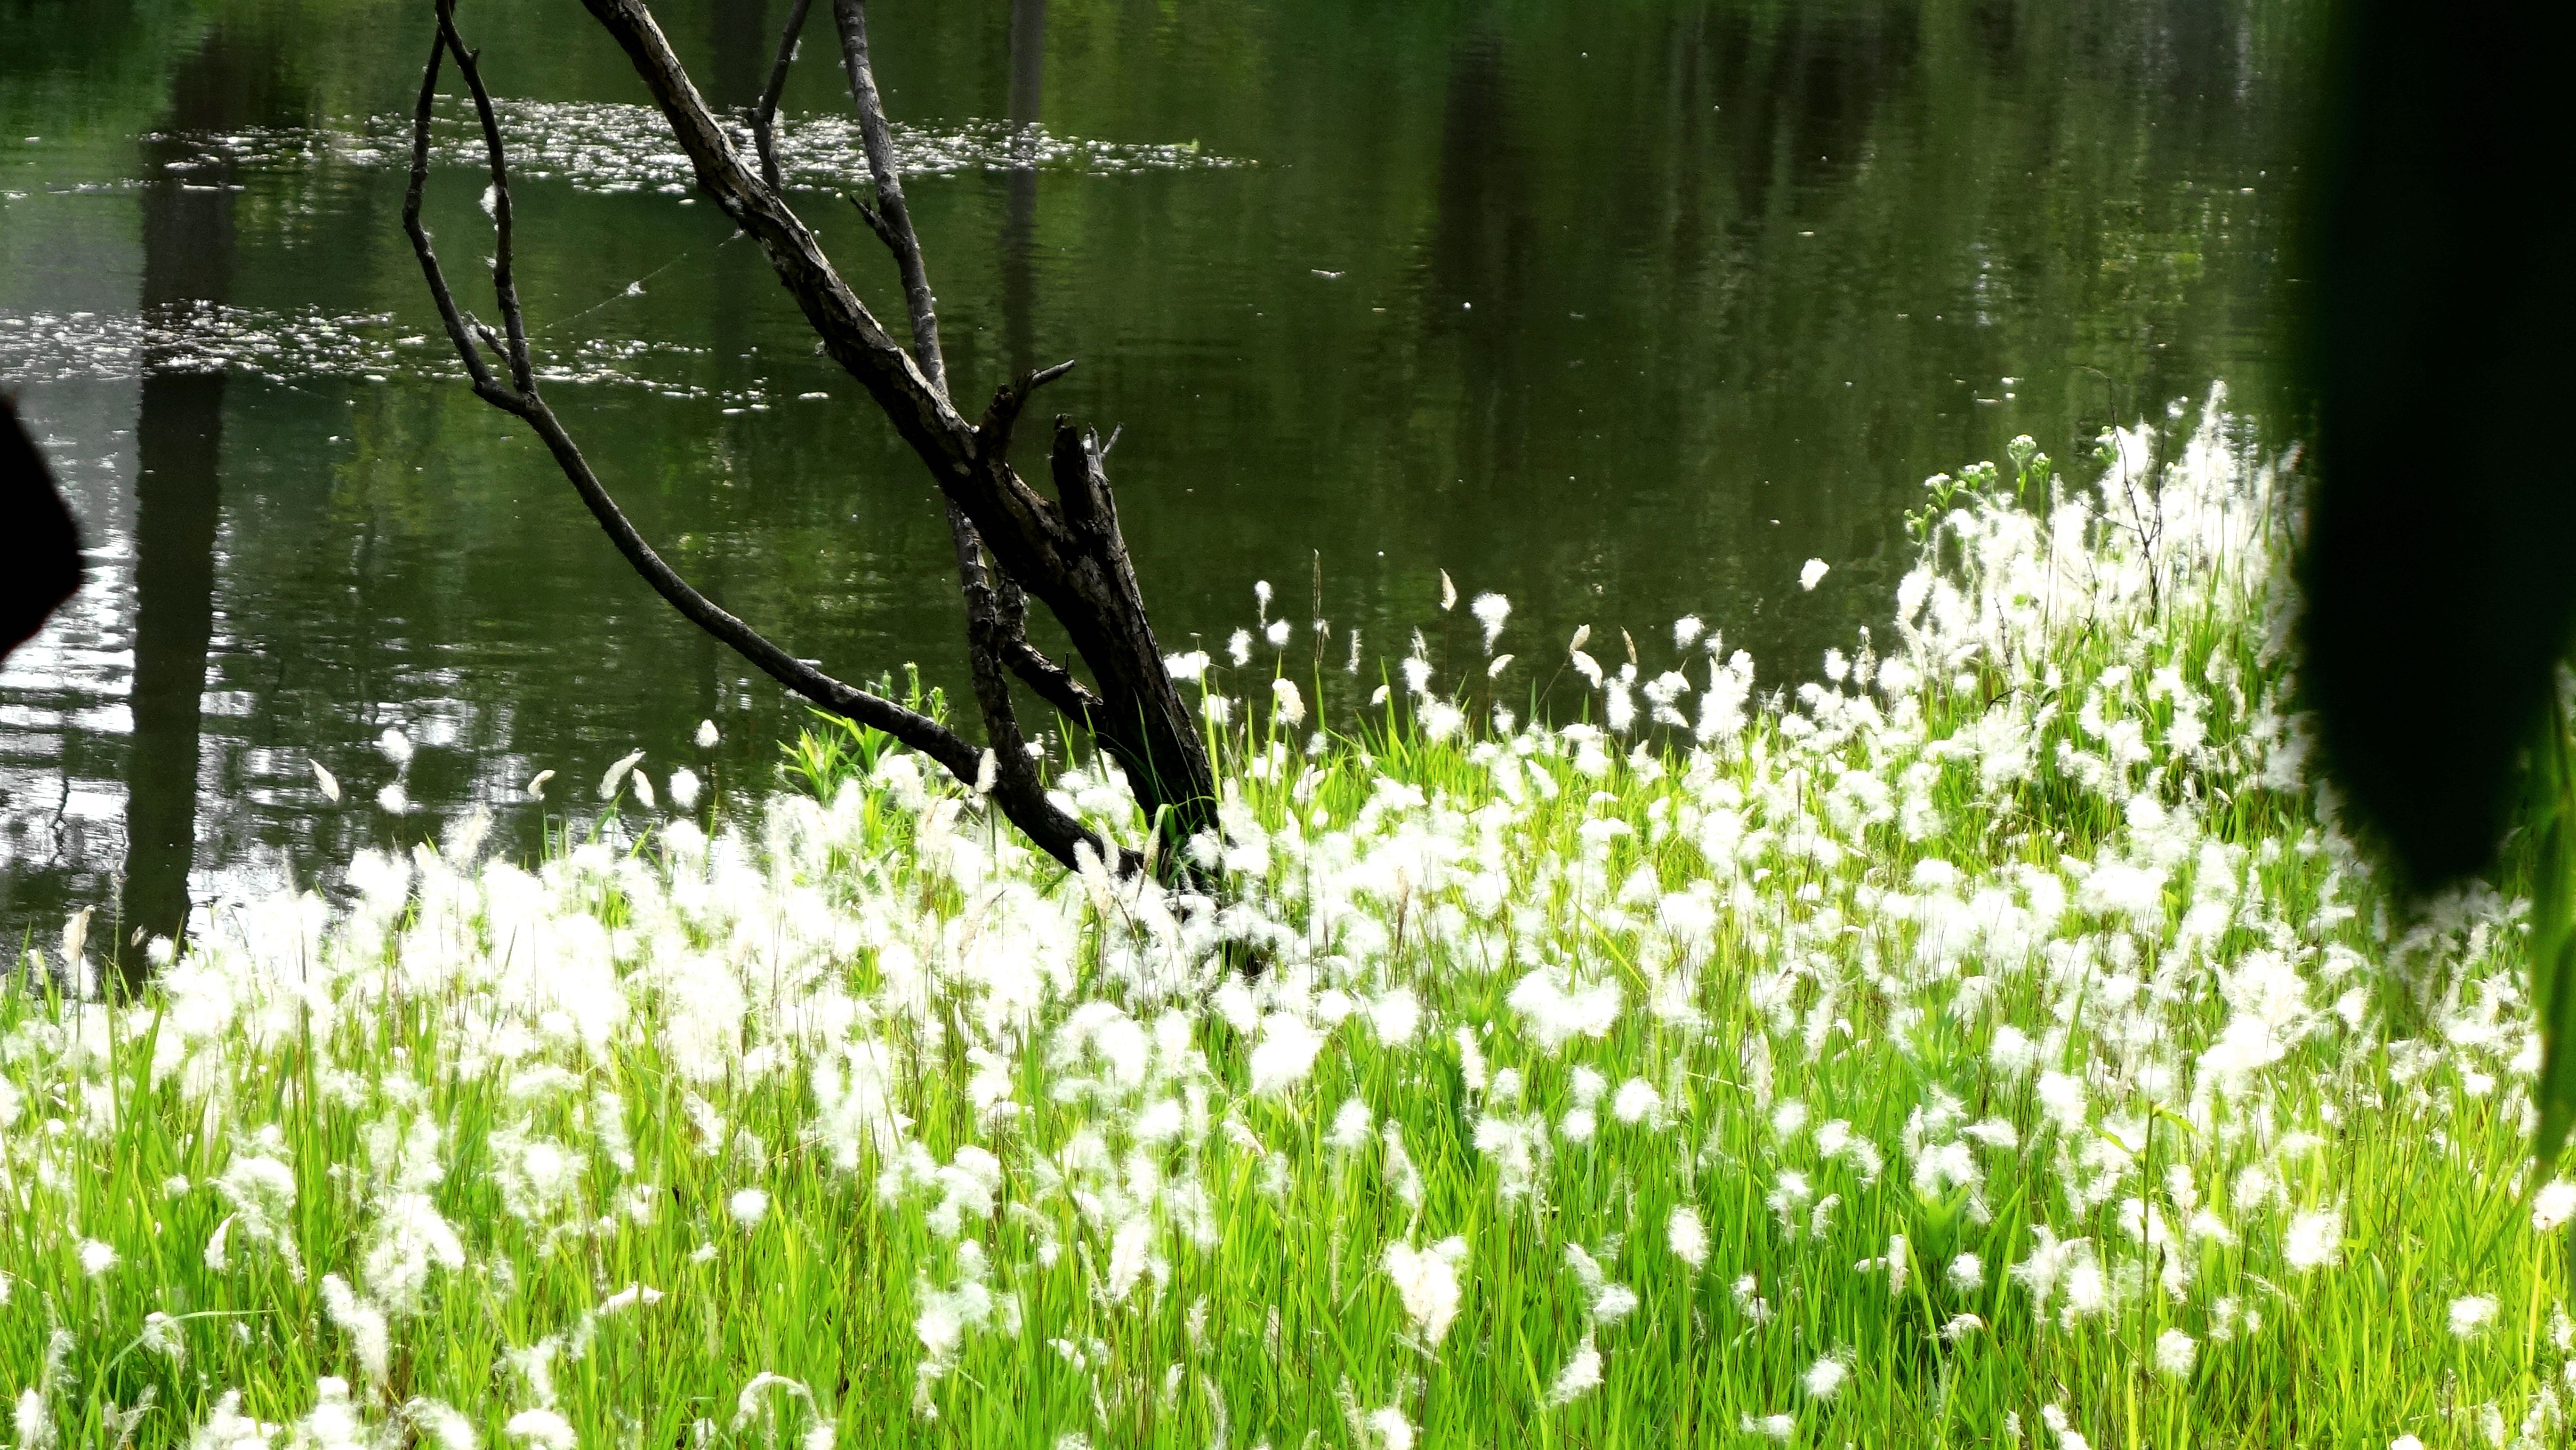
x=764 y=112
x=522 y=399
x=1012 y=542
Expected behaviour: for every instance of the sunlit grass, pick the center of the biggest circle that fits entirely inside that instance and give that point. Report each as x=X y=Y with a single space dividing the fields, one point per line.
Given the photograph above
x=1997 y=1045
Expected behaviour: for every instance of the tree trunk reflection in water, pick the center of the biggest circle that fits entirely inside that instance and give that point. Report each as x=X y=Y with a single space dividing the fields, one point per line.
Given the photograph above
x=1020 y=191
x=188 y=229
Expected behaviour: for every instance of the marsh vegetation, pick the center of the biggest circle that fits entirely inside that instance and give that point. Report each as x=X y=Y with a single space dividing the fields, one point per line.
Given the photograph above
x=1994 y=1037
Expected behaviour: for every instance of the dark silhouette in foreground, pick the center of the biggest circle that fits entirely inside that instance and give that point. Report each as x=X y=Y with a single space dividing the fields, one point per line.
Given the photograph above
x=41 y=564
x=2440 y=568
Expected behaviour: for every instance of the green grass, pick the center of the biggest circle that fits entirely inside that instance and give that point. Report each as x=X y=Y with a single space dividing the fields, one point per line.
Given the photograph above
x=2024 y=944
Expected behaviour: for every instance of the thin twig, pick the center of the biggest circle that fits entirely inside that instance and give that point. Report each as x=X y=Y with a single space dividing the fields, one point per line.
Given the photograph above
x=438 y=290
x=764 y=115
x=505 y=288
x=890 y=218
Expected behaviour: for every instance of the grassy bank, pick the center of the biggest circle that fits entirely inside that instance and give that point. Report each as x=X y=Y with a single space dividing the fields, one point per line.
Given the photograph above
x=1992 y=1041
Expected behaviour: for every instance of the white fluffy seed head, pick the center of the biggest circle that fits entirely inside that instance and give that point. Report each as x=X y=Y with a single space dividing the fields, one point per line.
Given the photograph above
x=2315 y=1240
x=617 y=773
x=2553 y=1205
x=1687 y=1235
x=1967 y=1274
x=1426 y=1282
x=2472 y=1314
x=1581 y=1375
x=2175 y=1352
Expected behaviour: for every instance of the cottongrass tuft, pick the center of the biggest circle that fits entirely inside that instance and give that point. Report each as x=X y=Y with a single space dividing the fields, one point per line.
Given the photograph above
x=2553 y=1205
x=1966 y=1274
x=748 y=1207
x=542 y=1429
x=35 y=1424
x=1581 y=1375
x=442 y=1424
x=616 y=775
x=1426 y=1281
x=1491 y=610
x=2314 y=1241
x=1687 y=1236
x=2175 y=1354
x=2471 y=1314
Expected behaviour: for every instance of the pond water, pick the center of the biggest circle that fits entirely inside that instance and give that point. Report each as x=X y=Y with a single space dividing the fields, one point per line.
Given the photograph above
x=1622 y=310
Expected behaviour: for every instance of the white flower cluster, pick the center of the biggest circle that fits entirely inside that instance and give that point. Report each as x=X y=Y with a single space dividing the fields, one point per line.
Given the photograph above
x=2016 y=939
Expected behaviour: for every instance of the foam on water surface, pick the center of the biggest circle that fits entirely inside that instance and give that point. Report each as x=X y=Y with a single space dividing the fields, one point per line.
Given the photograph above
x=611 y=148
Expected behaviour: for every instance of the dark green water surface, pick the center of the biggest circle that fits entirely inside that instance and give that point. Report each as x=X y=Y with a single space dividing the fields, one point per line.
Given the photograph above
x=1624 y=310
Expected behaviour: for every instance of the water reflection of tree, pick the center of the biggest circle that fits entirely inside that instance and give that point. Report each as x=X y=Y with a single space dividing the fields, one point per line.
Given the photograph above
x=231 y=80
x=1020 y=190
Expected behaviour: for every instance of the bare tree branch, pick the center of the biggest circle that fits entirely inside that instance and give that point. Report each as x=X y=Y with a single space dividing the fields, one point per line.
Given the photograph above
x=891 y=219
x=764 y=114
x=447 y=309
x=1011 y=515
x=914 y=729
x=1002 y=414
x=1052 y=682
x=1070 y=555
x=505 y=289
